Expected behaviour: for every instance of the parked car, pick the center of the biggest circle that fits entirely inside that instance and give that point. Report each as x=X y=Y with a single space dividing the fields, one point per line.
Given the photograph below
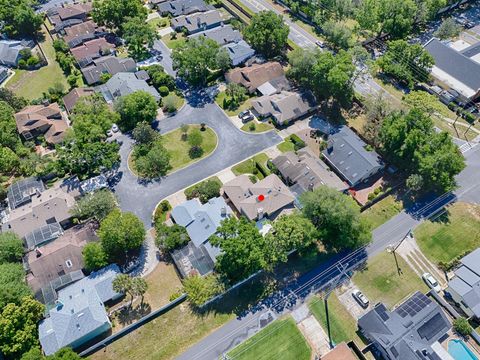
x=110 y=133
x=431 y=282
x=361 y=298
x=114 y=128
x=320 y=44
x=245 y=116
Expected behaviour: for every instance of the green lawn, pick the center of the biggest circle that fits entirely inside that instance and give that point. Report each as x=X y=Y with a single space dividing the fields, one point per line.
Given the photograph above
x=453 y=234
x=380 y=280
x=158 y=23
x=259 y=126
x=32 y=84
x=286 y=146
x=247 y=166
x=174 y=43
x=343 y=326
x=179 y=148
x=179 y=101
x=382 y=211
x=280 y=340
x=222 y=97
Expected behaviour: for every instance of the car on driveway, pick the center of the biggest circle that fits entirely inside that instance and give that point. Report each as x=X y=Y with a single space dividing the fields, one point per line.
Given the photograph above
x=361 y=298
x=245 y=116
x=114 y=128
x=431 y=282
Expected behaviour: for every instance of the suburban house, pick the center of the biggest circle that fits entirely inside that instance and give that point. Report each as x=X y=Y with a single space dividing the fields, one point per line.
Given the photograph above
x=182 y=7
x=347 y=155
x=78 y=34
x=79 y=314
x=304 y=171
x=223 y=34
x=107 y=65
x=49 y=207
x=464 y=288
x=410 y=331
x=90 y=50
x=46 y=120
x=71 y=99
x=197 y=22
x=266 y=198
x=22 y=191
x=58 y=257
x=285 y=106
x=239 y=52
x=455 y=70
x=61 y=14
x=201 y=221
x=125 y=83
x=10 y=51
x=251 y=77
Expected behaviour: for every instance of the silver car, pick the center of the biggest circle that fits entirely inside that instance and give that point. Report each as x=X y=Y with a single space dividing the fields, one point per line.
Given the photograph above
x=361 y=298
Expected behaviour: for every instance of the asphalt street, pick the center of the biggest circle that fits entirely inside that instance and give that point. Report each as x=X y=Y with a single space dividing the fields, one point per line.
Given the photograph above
x=234 y=145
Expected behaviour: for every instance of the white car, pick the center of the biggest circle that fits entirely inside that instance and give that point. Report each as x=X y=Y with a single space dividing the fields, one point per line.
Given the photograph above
x=114 y=128
x=431 y=282
x=109 y=133
x=361 y=298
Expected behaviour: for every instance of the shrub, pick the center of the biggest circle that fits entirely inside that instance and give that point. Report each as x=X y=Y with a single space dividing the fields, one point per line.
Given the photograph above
x=462 y=326
x=32 y=61
x=163 y=90
x=195 y=152
x=170 y=237
x=162 y=208
x=264 y=171
x=252 y=126
x=175 y=295
x=205 y=190
x=165 y=205
x=169 y=104
x=297 y=142
x=22 y=64
x=201 y=289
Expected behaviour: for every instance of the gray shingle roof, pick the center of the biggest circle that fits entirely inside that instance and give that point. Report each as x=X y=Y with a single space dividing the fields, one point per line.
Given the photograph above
x=239 y=52
x=347 y=154
x=79 y=313
x=183 y=7
x=458 y=66
x=107 y=65
x=409 y=331
x=125 y=83
x=10 y=51
x=221 y=35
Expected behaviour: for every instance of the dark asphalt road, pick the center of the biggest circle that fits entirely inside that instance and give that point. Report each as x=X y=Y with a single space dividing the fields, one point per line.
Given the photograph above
x=234 y=146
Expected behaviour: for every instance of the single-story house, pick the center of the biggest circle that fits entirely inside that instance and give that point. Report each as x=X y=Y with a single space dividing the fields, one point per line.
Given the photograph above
x=46 y=120
x=285 y=106
x=346 y=153
x=182 y=7
x=454 y=70
x=79 y=314
x=10 y=51
x=51 y=206
x=411 y=331
x=78 y=34
x=304 y=171
x=22 y=191
x=125 y=83
x=90 y=50
x=60 y=14
x=107 y=65
x=58 y=257
x=201 y=221
x=255 y=75
x=71 y=99
x=464 y=288
x=223 y=34
x=197 y=22
x=239 y=52
x=264 y=199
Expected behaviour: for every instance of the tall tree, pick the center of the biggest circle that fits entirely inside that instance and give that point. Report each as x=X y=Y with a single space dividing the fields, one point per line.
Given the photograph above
x=123 y=284
x=144 y=134
x=94 y=257
x=196 y=59
x=336 y=217
x=19 y=19
x=406 y=63
x=200 y=289
x=121 y=232
x=338 y=35
x=8 y=128
x=138 y=35
x=139 y=287
x=267 y=33
x=18 y=326
x=139 y=106
x=12 y=284
x=378 y=108
x=423 y=101
x=152 y=161
x=448 y=29
x=95 y=205
x=114 y=14
x=243 y=249
x=11 y=248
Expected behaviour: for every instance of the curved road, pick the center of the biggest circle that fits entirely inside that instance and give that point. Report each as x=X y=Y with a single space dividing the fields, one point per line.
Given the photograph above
x=234 y=145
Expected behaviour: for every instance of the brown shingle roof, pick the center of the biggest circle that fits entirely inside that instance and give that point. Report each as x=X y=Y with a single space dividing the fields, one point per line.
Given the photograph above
x=74 y=11
x=340 y=352
x=41 y=119
x=71 y=99
x=253 y=76
x=92 y=49
x=267 y=196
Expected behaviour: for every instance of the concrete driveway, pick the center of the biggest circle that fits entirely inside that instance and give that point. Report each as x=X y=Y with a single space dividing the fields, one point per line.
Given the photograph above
x=234 y=145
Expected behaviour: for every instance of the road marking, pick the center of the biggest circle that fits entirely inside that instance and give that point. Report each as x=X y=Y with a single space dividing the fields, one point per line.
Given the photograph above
x=467 y=147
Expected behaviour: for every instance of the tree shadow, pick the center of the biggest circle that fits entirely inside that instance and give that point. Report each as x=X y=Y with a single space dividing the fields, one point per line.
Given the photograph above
x=127 y=315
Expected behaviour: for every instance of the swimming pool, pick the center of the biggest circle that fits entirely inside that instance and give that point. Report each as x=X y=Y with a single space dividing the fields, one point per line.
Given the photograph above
x=460 y=351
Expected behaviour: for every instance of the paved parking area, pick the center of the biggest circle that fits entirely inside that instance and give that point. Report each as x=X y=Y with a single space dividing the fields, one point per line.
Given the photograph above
x=344 y=294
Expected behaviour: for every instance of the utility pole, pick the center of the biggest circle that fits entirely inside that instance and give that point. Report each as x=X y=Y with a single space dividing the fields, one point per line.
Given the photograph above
x=330 y=342
x=393 y=248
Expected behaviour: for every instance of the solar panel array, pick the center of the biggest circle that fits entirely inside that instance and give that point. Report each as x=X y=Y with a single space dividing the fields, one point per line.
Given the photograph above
x=413 y=306
x=19 y=193
x=48 y=294
x=43 y=235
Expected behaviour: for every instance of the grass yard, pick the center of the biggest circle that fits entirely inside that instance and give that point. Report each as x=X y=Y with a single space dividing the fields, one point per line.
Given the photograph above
x=286 y=146
x=280 y=340
x=343 y=326
x=382 y=211
x=259 y=126
x=247 y=166
x=174 y=43
x=222 y=98
x=380 y=281
x=450 y=236
x=178 y=101
x=158 y=23
x=443 y=125
x=31 y=84
x=179 y=148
